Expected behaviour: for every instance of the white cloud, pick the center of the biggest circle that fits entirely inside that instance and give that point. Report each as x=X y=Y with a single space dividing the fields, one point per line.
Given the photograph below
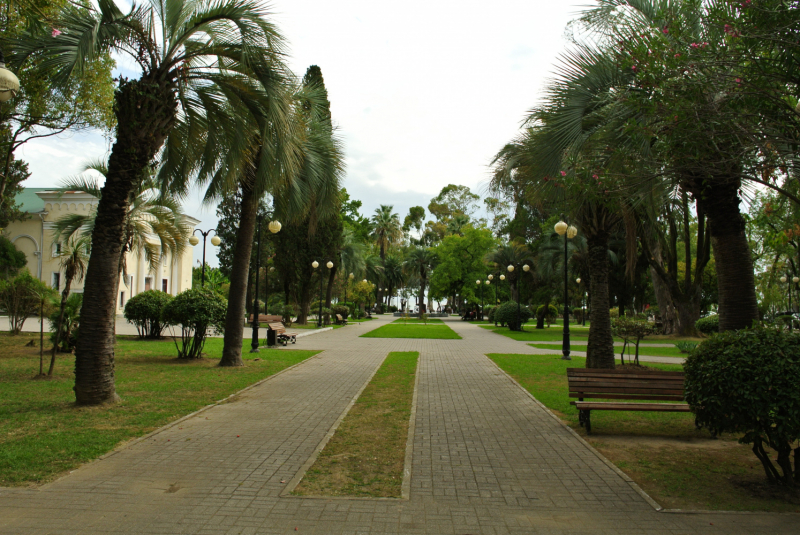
x=424 y=92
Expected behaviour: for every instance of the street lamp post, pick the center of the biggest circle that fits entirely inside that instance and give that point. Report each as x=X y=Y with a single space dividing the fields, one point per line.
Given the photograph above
x=194 y=240
x=794 y=280
x=315 y=265
x=478 y=283
x=569 y=232
x=274 y=226
x=350 y=278
x=525 y=268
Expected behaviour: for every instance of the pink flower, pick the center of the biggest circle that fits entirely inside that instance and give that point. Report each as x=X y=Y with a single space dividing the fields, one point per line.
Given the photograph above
x=694 y=45
x=633 y=68
x=563 y=173
x=55 y=33
x=665 y=29
x=738 y=80
x=677 y=55
x=595 y=177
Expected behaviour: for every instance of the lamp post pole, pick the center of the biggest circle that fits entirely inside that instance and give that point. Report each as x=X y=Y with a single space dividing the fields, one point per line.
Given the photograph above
x=194 y=240
x=274 y=226
x=793 y=280
x=488 y=283
x=346 y=283
x=315 y=265
x=525 y=268
x=583 y=313
x=569 y=232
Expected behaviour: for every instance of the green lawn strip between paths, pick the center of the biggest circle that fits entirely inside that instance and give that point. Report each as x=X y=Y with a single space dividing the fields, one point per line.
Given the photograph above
x=403 y=321
x=629 y=351
x=366 y=455
x=43 y=433
x=679 y=466
x=393 y=330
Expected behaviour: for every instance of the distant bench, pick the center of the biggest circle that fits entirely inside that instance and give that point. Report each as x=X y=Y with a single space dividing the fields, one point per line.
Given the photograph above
x=612 y=384
x=340 y=320
x=266 y=318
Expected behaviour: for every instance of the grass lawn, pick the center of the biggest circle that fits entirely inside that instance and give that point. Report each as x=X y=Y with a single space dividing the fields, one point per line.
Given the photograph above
x=43 y=434
x=395 y=330
x=416 y=320
x=366 y=455
x=629 y=352
x=679 y=466
x=555 y=333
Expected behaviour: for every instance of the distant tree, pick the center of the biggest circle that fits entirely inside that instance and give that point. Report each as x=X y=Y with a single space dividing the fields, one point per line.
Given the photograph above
x=11 y=258
x=21 y=298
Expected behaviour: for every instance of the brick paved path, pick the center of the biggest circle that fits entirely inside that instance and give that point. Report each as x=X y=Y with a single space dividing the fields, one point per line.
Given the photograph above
x=487 y=459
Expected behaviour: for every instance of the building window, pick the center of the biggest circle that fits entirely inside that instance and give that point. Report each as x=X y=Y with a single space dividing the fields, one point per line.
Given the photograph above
x=57 y=281
x=148 y=283
x=57 y=249
x=164 y=285
x=121 y=299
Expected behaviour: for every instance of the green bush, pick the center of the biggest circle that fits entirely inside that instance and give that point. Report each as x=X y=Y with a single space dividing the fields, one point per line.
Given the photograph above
x=69 y=328
x=21 y=298
x=392 y=309
x=631 y=331
x=748 y=382
x=614 y=312
x=287 y=313
x=144 y=311
x=708 y=325
x=577 y=314
x=196 y=310
x=342 y=310
x=548 y=312
x=685 y=347
x=11 y=258
x=506 y=314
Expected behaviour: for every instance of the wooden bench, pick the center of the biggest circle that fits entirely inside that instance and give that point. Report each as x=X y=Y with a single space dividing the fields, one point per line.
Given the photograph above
x=266 y=318
x=281 y=334
x=340 y=320
x=612 y=384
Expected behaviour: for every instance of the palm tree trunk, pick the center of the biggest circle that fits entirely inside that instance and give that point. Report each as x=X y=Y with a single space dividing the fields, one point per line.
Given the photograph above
x=64 y=295
x=738 y=305
x=234 y=318
x=600 y=348
x=329 y=289
x=145 y=112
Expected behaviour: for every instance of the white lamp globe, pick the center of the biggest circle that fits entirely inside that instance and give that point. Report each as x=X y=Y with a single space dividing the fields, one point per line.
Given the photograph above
x=477 y=282
x=351 y=276
x=510 y=269
x=578 y=280
x=502 y=277
x=795 y=279
x=274 y=226
x=783 y=279
x=9 y=83
x=194 y=240
x=488 y=282
x=329 y=264
x=315 y=264
x=560 y=228
x=526 y=268
x=215 y=240
x=571 y=232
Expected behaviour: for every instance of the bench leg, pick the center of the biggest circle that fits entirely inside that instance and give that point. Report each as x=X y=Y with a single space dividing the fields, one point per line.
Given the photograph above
x=584 y=418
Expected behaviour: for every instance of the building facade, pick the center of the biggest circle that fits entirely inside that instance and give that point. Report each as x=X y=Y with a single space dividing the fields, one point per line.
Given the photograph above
x=35 y=238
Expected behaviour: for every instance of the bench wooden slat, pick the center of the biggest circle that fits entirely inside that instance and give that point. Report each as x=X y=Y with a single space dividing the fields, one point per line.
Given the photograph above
x=615 y=374
x=611 y=406
x=632 y=389
x=628 y=396
x=265 y=318
x=668 y=385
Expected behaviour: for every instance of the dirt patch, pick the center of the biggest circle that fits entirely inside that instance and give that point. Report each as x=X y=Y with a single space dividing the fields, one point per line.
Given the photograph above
x=686 y=443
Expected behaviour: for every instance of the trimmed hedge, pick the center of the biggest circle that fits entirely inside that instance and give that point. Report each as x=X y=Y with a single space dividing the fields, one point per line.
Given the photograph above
x=708 y=325
x=144 y=311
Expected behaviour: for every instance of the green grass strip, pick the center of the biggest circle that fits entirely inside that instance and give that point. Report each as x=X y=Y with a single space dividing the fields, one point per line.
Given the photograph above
x=393 y=330
x=629 y=351
x=43 y=433
x=365 y=457
x=402 y=321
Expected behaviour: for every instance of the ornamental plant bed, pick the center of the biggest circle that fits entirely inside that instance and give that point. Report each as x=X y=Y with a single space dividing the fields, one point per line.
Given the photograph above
x=43 y=434
x=679 y=466
x=366 y=455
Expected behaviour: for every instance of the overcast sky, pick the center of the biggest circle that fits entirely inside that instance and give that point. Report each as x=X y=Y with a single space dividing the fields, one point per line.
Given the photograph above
x=423 y=93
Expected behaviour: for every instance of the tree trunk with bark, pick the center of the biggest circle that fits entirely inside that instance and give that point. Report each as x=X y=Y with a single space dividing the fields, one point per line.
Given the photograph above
x=600 y=348
x=738 y=304
x=666 y=310
x=240 y=270
x=145 y=111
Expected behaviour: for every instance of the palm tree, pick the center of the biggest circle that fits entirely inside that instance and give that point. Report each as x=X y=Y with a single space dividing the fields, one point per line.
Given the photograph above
x=393 y=273
x=196 y=58
x=150 y=215
x=420 y=261
x=72 y=260
x=386 y=230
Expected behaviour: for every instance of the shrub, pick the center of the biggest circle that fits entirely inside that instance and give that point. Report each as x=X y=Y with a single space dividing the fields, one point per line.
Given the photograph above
x=196 y=310
x=287 y=313
x=392 y=309
x=748 y=382
x=547 y=313
x=614 y=312
x=708 y=325
x=577 y=313
x=69 y=328
x=490 y=312
x=631 y=330
x=685 y=347
x=11 y=258
x=21 y=297
x=342 y=310
x=506 y=314
x=144 y=311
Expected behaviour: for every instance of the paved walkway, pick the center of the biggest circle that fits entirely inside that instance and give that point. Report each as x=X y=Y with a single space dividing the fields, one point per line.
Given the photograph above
x=487 y=459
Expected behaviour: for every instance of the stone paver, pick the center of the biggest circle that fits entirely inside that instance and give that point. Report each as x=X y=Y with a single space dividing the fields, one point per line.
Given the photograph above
x=487 y=459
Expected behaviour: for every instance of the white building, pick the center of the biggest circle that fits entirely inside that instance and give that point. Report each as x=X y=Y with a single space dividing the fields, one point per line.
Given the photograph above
x=35 y=238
